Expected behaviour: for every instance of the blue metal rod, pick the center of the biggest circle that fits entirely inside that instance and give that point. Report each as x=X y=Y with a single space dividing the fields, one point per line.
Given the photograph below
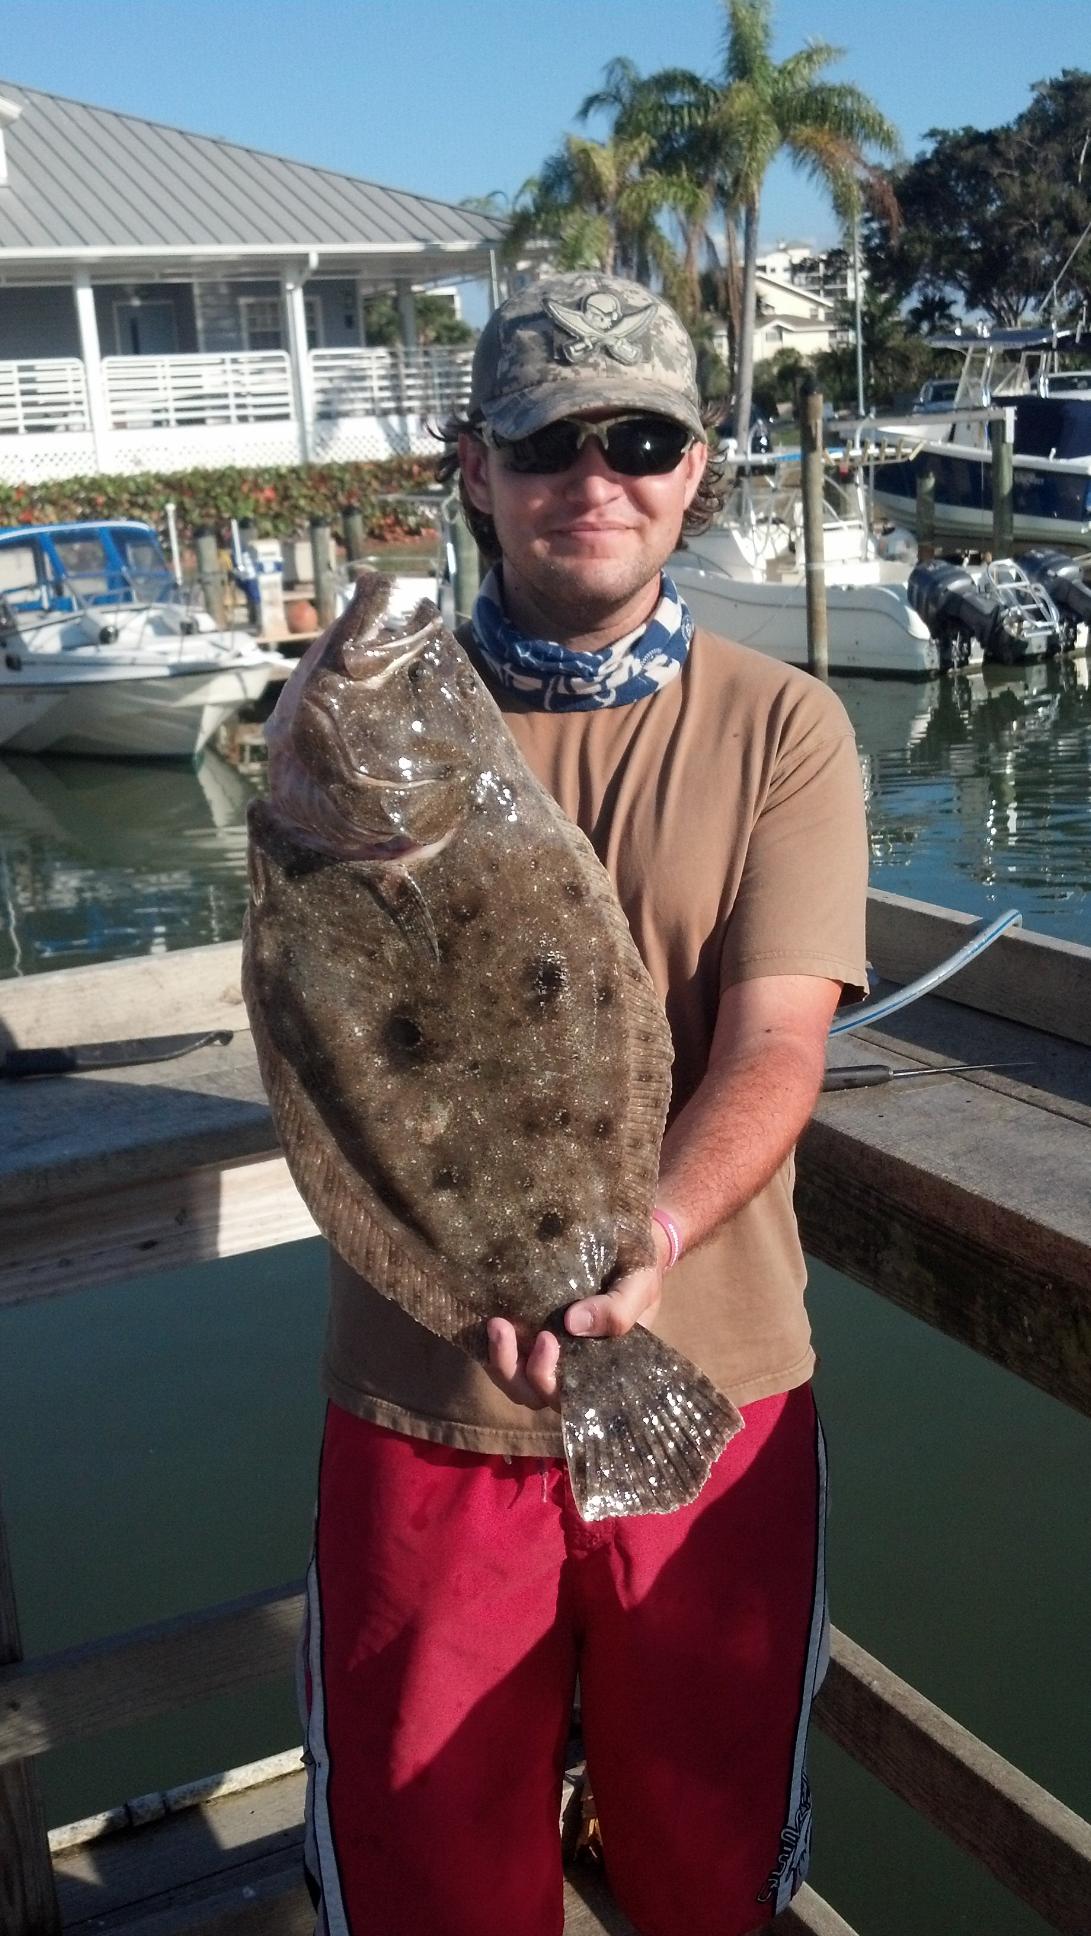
x=850 y=1018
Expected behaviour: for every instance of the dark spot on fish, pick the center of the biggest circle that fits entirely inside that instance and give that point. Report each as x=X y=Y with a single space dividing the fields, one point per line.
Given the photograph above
x=575 y=890
x=604 y=994
x=467 y=909
x=551 y=1224
x=473 y=1068
x=562 y=1118
x=449 y=1178
x=403 y=1039
x=605 y=1127
x=548 y=977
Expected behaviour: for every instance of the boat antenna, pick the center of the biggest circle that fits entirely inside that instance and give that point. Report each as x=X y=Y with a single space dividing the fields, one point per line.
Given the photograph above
x=1051 y=299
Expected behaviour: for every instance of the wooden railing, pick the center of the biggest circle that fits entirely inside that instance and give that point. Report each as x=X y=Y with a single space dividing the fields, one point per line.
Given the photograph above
x=157 y=1185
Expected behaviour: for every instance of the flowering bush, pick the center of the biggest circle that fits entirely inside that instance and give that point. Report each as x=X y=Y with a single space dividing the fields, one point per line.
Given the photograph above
x=281 y=501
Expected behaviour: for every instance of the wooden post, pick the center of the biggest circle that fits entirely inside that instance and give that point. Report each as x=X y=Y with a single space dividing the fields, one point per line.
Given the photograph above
x=28 y=1900
x=1002 y=441
x=207 y=547
x=814 y=553
x=467 y=567
x=926 y=511
x=323 y=571
x=352 y=523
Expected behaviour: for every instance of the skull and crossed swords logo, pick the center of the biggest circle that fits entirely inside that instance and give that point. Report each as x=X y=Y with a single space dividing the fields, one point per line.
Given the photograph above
x=600 y=325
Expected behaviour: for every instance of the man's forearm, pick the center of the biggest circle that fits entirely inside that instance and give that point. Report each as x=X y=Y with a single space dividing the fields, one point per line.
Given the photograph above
x=735 y=1132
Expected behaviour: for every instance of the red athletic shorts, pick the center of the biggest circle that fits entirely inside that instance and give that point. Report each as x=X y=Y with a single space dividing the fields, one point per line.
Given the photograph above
x=454 y=1598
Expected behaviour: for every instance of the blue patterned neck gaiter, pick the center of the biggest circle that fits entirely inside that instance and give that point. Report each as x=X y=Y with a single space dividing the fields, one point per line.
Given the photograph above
x=553 y=679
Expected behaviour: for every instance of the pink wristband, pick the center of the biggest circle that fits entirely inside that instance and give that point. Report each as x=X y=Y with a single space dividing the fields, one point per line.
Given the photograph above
x=672 y=1233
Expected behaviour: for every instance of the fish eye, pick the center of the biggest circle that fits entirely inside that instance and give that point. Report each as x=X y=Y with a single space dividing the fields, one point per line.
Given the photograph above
x=419 y=672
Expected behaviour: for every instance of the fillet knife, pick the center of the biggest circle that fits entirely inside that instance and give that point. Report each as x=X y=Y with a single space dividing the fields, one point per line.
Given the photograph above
x=18 y=1063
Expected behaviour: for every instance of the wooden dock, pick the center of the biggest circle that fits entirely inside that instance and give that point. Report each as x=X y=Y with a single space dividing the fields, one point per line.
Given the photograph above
x=966 y=1203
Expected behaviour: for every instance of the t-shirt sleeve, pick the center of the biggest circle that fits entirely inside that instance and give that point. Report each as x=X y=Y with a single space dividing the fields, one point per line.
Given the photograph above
x=802 y=900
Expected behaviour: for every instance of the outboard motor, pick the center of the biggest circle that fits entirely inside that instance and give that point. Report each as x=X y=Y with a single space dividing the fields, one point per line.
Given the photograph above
x=946 y=597
x=1009 y=617
x=1062 y=578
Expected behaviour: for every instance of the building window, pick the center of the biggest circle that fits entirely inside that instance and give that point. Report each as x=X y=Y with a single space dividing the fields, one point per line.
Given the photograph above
x=145 y=328
x=263 y=322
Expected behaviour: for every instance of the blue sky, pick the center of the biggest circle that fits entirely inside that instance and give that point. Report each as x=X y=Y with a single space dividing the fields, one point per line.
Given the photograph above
x=457 y=97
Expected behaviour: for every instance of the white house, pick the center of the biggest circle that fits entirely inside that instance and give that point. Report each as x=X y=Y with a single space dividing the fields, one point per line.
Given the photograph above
x=799 y=294
x=170 y=299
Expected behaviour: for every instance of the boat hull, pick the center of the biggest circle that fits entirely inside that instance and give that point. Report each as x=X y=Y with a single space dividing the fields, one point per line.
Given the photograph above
x=1049 y=506
x=164 y=714
x=871 y=627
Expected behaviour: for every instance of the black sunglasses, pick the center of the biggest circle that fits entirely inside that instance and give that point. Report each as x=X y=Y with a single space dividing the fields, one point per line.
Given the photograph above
x=635 y=446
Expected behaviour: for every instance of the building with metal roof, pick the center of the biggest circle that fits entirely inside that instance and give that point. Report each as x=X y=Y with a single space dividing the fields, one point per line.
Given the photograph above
x=156 y=282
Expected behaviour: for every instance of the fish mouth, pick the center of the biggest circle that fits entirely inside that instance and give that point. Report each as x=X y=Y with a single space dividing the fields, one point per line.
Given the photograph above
x=357 y=780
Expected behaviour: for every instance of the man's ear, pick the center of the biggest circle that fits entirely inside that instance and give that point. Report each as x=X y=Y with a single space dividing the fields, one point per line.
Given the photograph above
x=695 y=460
x=473 y=463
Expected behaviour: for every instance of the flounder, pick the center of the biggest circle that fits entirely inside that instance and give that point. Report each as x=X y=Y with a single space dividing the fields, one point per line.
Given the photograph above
x=467 y=1063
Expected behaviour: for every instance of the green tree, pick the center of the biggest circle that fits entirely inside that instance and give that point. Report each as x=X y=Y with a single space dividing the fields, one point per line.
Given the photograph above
x=598 y=203
x=436 y=322
x=726 y=133
x=998 y=219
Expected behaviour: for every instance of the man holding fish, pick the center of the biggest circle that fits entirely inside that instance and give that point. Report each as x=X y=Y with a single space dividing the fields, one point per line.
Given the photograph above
x=516 y=1495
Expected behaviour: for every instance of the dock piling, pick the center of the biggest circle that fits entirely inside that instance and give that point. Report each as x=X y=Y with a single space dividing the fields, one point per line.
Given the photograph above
x=1002 y=442
x=206 y=544
x=352 y=525
x=323 y=571
x=926 y=511
x=467 y=567
x=814 y=552
x=28 y=1898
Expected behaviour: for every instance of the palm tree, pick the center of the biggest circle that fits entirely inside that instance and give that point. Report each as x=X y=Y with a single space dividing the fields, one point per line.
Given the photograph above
x=720 y=137
x=762 y=107
x=598 y=202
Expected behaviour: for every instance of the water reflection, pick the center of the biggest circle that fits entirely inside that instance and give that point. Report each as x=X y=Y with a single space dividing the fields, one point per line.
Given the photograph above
x=979 y=790
x=105 y=858
x=979 y=796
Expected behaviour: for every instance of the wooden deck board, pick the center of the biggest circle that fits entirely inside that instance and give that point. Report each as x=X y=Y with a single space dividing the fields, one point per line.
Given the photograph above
x=232 y=1867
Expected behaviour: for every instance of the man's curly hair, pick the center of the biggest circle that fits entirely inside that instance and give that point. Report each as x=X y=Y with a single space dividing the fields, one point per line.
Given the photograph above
x=709 y=498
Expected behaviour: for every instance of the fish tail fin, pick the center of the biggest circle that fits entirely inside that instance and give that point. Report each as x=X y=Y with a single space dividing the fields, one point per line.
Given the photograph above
x=641 y=1425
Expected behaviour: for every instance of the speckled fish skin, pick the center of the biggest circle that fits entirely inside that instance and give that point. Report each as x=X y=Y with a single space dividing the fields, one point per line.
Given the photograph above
x=466 y=1061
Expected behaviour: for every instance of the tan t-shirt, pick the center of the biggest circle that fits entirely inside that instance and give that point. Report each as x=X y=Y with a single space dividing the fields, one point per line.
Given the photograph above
x=728 y=810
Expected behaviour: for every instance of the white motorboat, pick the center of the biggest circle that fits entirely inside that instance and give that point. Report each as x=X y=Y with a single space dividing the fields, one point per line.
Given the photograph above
x=745 y=578
x=100 y=654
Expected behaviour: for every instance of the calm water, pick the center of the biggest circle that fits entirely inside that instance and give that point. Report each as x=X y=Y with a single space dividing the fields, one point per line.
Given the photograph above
x=157 y=1438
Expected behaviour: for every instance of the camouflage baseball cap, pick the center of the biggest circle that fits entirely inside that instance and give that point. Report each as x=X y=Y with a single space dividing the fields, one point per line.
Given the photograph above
x=583 y=342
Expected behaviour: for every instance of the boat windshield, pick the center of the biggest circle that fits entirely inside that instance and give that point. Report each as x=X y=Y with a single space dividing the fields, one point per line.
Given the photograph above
x=145 y=565
x=85 y=565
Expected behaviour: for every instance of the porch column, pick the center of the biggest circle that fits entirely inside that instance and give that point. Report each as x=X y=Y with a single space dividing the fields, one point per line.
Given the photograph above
x=407 y=314
x=87 y=322
x=291 y=288
x=406 y=351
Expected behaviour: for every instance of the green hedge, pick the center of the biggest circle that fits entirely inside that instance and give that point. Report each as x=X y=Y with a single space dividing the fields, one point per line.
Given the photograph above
x=282 y=501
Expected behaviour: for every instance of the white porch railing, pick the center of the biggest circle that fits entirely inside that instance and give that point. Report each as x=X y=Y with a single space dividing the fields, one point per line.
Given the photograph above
x=173 y=392
x=172 y=413
x=49 y=395
x=389 y=383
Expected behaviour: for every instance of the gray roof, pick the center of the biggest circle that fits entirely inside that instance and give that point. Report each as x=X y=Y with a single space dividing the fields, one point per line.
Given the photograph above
x=84 y=180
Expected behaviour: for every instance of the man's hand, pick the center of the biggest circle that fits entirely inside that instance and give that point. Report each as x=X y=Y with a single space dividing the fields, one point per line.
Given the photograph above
x=527 y=1373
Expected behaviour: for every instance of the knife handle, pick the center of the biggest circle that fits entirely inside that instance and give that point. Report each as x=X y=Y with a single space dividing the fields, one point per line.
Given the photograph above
x=37 y=1062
